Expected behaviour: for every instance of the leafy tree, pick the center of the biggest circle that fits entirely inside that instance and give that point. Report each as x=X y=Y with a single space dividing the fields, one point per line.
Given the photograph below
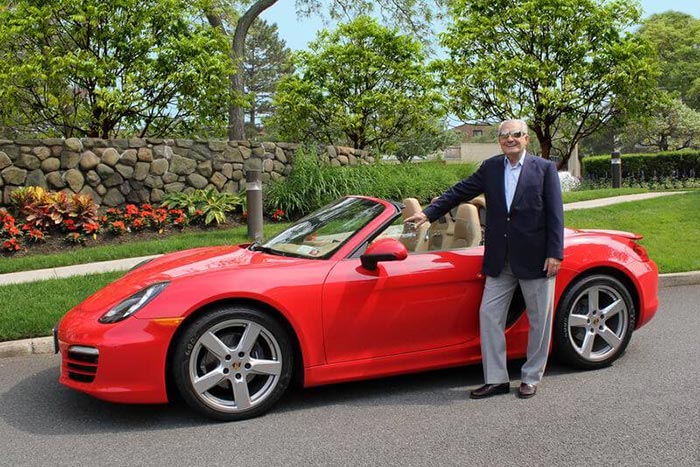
x=424 y=141
x=235 y=17
x=94 y=68
x=567 y=66
x=671 y=125
x=267 y=60
x=362 y=84
x=676 y=40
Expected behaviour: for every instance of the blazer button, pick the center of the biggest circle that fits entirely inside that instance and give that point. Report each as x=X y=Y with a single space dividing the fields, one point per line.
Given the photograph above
x=508 y=219
x=505 y=235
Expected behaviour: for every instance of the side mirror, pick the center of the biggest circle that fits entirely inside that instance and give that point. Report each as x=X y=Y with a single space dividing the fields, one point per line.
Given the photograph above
x=386 y=249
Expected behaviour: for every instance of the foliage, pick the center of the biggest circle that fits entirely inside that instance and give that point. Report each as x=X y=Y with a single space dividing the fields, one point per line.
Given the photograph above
x=566 y=76
x=48 y=211
x=676 y=40
x=670 y=125
x=267 y=59
x=94 y=68
x=203 y=206
x=423 y=142
x=363 y=84
x=646 y=167
x=313 y=184
x=235 y=18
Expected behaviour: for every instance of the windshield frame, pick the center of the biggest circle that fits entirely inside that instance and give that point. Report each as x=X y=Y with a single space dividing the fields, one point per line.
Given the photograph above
x=323 y=233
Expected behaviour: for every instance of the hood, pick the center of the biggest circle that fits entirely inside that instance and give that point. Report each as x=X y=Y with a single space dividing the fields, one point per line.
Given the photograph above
x=199 y=260
x=184 y=264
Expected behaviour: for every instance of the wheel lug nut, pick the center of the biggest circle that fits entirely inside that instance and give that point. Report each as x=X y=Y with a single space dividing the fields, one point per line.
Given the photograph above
x=247 y=366
x=601 y=328
x=241 y=354
x=225 y=371
x=228 y=357
x=238 y=376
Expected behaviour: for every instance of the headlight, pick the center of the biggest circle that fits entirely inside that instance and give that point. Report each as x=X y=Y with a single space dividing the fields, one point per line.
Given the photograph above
x=132 y=304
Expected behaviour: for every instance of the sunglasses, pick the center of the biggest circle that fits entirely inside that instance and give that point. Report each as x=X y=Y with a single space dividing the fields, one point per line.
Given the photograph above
x=513 y=133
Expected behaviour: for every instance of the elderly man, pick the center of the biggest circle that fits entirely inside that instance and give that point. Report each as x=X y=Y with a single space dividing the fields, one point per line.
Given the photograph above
x=523 y=246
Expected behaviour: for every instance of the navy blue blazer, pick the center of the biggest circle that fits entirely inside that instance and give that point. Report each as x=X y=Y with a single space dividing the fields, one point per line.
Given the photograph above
x=532 y=231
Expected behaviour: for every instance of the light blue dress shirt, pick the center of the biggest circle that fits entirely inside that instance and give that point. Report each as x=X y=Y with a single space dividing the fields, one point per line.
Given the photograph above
x=510 y=177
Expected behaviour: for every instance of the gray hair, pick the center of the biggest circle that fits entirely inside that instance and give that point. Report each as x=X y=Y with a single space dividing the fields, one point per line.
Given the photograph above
x=523 y=125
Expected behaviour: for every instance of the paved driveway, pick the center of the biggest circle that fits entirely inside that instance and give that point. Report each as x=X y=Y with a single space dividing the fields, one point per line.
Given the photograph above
x=644 y=410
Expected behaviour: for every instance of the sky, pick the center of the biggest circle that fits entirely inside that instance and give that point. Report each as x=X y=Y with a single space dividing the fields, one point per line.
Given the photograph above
x=299 y=32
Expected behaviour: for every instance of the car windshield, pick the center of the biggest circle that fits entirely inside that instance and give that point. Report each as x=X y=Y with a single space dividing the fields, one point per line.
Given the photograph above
x=321 y=233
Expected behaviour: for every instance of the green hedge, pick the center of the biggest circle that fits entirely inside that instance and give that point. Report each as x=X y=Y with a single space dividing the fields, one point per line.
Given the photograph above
x=646 y=167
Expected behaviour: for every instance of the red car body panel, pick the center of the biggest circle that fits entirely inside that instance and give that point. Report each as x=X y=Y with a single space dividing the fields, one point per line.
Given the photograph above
x=350 y=323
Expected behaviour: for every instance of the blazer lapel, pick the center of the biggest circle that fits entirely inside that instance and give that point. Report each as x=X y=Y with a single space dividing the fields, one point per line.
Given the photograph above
x=524 y=172
x=501 y=187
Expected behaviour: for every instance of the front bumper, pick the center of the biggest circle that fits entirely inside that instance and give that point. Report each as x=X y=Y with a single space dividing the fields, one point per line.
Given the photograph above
x=122 y=362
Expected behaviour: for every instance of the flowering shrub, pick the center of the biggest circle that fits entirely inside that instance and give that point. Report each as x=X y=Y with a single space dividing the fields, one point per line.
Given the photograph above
x=9 y=233
x=568 y=182
x=45 y=211
x=37 y=212
x=278 y=215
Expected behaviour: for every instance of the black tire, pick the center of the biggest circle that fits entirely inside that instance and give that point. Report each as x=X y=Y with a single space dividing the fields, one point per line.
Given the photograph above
x=587 y=336
x=243 y=379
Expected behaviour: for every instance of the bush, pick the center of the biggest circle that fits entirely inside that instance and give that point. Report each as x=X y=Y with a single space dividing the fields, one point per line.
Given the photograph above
x=204 y=206
x=646 y=167
x=313 y=183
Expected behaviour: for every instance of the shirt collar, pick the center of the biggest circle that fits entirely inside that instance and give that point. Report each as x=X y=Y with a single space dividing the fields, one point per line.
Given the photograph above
x=521 y=161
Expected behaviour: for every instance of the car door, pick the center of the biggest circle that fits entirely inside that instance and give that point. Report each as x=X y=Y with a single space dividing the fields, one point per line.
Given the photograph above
x=428 y=301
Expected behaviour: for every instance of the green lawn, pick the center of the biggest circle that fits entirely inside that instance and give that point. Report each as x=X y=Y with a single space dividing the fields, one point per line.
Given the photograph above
x=33 y=309
x=77 y=255
x=670 y=225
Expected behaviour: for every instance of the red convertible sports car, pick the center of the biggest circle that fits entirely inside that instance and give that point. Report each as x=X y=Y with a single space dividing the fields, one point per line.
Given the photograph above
x=347 y=293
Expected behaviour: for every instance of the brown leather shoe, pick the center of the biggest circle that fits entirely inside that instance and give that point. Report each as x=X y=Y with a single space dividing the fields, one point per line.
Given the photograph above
x=525 y=391
x=488 y=390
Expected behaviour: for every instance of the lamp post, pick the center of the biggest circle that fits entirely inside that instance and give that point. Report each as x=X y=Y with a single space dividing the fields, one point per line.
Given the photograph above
x=253 y=168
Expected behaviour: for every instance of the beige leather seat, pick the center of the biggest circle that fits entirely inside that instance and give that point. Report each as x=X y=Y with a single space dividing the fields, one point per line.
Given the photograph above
x=440 y=230
x=480 y=203
x=414 y=239
x=467 y=232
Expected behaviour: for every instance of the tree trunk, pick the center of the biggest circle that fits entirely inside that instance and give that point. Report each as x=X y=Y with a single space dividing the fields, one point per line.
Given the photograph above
x=236 y=116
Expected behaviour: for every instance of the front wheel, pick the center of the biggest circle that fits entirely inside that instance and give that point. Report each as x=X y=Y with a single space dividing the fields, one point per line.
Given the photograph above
x=233 y=363
x=594 y=322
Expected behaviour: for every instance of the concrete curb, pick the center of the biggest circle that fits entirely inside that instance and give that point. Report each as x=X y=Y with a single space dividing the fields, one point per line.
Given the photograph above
x=44 y=345
x=34 y=346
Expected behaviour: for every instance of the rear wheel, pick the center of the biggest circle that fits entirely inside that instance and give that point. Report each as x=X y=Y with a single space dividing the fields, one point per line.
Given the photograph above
x=594 y=323
x=233 y=363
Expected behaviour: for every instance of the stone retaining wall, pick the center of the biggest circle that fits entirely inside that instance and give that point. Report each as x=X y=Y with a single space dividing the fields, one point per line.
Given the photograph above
x=139 y=170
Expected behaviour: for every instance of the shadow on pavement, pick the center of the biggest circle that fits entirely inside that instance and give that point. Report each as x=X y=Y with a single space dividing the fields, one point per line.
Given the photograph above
x=39 y=404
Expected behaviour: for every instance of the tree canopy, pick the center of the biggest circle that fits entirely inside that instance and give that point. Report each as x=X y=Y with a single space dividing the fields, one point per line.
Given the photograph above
x=267 y=59
x=362 y=84
x=235 y=17
x=94 y=68
x=566 y=66
x=676 y=40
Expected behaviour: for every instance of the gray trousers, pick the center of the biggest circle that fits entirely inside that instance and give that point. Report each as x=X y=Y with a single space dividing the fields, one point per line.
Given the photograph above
x=539 y=300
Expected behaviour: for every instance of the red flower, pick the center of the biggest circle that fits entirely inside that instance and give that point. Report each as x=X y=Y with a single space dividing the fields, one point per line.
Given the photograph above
x=132 y=210
x=91 y=227
x=69 y=225
x=11 y=245
x=278 y=215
